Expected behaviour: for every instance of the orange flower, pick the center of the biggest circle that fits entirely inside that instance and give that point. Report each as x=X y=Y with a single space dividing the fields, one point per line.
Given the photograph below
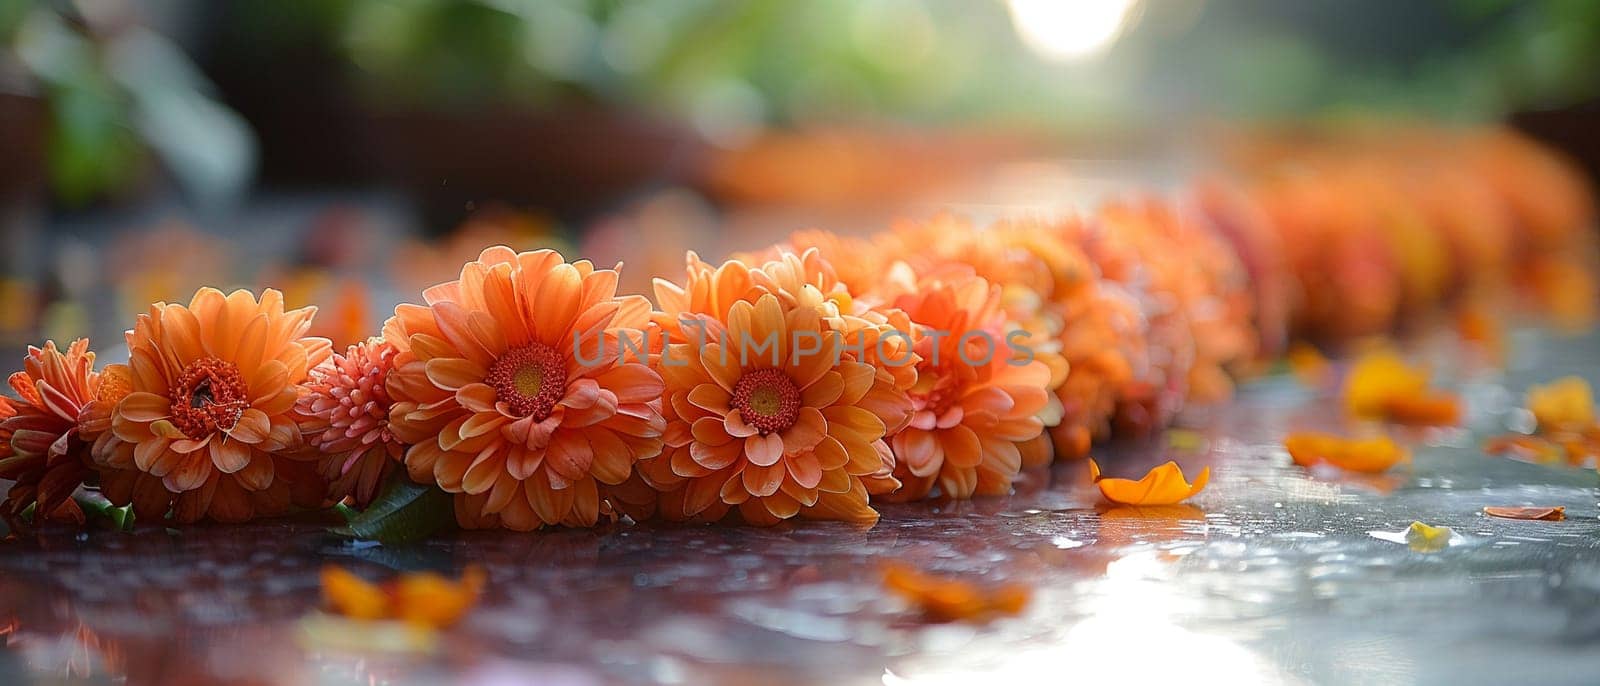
x=8 y=465
x=1566 y=404
x=949 y=600
x=422 y=599
x=973 y=402
x=1371 y=455
x=1382 y=386
x=1554 y=514
x=1236 y=217
x=1106 y=328
x=807 y=280
x=768 y=415
x=1377 y=377
x=48 y=453
x=205 y=421
x=857 y=262
x=1050 y=290
x=817 y=305
x=1193 y=268
x=344 y=414
x=1164 y=485
x=512 y=387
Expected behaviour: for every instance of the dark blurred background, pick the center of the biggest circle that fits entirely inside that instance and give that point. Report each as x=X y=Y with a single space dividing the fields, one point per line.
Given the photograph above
x=351 y=152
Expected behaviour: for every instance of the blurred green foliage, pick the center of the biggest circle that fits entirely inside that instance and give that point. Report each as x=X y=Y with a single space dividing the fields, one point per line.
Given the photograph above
x=116 y=91
x=729 y=67
x=775 y=61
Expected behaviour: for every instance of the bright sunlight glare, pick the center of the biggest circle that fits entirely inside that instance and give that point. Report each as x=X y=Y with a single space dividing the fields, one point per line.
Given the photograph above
x=1064 y=30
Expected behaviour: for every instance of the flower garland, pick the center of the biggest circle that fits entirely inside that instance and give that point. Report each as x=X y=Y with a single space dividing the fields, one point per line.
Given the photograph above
x=814 y=379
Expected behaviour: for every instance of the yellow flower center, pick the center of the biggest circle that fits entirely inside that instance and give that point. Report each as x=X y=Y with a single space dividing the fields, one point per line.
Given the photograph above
x=767 y=399
x=209 y=396
x=530 y=380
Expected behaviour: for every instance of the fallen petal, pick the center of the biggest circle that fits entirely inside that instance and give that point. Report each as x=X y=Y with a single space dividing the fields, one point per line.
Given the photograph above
x=1164 y=485
x=1424 y=538
x=948 y=600
x=1368 y=455
x=1554 y=514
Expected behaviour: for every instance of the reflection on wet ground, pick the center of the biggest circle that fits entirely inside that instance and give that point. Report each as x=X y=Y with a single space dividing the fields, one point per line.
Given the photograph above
x=1273 y=574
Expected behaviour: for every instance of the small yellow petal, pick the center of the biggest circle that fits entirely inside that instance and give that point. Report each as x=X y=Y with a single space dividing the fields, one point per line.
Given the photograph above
x=1424 y=538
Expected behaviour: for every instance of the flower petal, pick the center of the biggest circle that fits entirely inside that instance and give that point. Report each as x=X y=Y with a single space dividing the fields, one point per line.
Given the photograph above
x=230 y=455
x=140 y=406
x=805 y=469
x=764 y=451
x=252 y=427
x=763 y=481
x=454 y=373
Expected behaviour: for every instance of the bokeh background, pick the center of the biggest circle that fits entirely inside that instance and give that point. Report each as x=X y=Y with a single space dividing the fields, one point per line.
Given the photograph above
x=350 y=152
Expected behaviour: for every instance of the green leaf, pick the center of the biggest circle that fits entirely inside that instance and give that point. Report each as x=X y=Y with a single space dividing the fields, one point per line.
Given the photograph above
x=404 y=511
x=345 y=511
x=98 y=511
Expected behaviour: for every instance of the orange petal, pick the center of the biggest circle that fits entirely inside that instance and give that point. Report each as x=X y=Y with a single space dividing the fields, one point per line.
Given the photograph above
x=808 y=430
x=252 y=427
x=722 y=364
x=737 y=427
x=1554 y=514
x=948 y=600
x=711 y=431
x=191 y=472
x=1370 y=455
x=1427 y=409
x=805 y=469
x=229 y=455
x=764 y=450
x=1164 y=485
x=144 y=407
x=429 y=600
x=352 y=596
x=763 y=481
x=710 y=396
x=453 y=374
x=824 y=392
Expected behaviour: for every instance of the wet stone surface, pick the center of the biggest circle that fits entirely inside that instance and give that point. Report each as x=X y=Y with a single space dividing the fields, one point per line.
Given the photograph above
x=1274 y=574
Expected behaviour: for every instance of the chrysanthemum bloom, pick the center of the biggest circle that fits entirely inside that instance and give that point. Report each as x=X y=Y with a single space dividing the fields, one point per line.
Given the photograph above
x=974 y=401
x=207 y=425
x=1235 y=216
x=826 y=336
x=49 y=456
x=874 y=332
x=1423 y=259
x=1102 y=347
x=344 y=415
x=1093 y=333
x=873 y=336
x=8 y=508
x=770 y=417
x=514 y=392
x=1047 y=283
x=1191 y=270
x=1027 y=259
x=856 y=262
x=807 y=278
x=1346 y=280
